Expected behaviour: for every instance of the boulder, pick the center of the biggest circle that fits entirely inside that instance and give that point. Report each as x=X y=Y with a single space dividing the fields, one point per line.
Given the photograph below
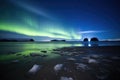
x=94 y=39
x=35 y=68
x=58 y=67
x=85 y=40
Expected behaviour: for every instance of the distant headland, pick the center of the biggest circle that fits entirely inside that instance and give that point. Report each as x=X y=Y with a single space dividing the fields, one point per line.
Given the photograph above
x=17 y=40
x=55 y=40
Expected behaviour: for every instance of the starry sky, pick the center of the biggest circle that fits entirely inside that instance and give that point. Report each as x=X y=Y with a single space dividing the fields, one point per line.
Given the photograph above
x=44 y=20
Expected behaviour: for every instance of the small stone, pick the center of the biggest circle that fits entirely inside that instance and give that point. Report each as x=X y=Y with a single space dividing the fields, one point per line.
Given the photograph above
x=34 y=54
x=58 y=67
x=86 y=58
x=66 y=78
x=81 y=66
x=71 y=59
x=44 y=51
x=43 y=55
x=92 y=61
x=94 y=56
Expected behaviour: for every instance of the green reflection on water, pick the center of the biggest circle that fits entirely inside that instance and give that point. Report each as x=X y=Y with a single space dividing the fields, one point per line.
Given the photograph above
x=25 y=48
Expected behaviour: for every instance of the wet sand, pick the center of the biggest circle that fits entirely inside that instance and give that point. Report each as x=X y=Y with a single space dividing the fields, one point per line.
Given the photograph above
x=77 y=63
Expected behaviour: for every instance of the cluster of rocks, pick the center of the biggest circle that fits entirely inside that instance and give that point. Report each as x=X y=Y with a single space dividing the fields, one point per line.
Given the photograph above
x=68 y=52
x=33 y=54
x=92 y=64
x=95 y=64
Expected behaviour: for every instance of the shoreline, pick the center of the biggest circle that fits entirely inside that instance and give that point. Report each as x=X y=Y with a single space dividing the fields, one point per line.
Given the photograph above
x=76 y=63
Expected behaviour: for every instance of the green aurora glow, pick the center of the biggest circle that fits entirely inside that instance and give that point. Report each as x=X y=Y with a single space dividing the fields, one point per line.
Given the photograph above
x=23 y=22
x=30 y=27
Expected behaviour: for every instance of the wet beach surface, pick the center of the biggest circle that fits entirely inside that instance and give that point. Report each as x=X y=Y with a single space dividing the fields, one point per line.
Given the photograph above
x=64 y=63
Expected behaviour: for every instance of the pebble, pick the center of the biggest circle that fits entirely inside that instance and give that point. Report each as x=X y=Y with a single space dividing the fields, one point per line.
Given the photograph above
x=66 y=78
x=71 y=59
x=81 y=66
x=92 y=61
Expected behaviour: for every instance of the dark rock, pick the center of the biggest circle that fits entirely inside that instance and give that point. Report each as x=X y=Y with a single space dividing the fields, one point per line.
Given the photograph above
x=44 y=55
x=94 y=39
x=34 y=54
x=81 y=66
x=31 y=40
x=56 y=49
x=63 y=40
x=85 y=40
x=44 y=51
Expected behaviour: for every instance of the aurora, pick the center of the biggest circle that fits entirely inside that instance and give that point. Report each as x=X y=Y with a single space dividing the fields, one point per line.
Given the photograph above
x=25 y=22
x=30 y=32
x=32 y=28
x=51 y=19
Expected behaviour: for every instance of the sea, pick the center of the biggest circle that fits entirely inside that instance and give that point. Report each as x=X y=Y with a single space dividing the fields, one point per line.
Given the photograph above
x=6 y=47
x=18 y=58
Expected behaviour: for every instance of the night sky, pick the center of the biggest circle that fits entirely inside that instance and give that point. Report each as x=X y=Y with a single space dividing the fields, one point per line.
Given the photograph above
x=60 y=19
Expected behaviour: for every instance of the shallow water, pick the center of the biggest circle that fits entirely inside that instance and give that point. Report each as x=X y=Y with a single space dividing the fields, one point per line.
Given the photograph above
x=22 y=46
x=17 y=58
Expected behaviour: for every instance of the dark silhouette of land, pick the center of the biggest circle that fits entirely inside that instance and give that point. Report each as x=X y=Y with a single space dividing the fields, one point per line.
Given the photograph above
x=94 y=39
x=85 y=40
x=55 y=40
x=17 y=40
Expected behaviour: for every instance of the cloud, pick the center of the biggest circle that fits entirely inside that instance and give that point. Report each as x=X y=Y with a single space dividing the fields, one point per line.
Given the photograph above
x=91 y=31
